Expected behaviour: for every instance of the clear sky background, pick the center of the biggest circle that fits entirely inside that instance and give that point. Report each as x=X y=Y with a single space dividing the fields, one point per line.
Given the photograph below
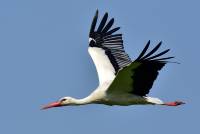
x=43 y=56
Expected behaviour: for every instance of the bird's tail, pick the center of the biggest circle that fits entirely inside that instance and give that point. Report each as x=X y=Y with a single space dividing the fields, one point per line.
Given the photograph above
x=157 y=101
x=153 y=100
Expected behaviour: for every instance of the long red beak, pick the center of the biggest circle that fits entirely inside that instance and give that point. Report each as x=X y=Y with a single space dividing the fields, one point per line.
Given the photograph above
x=53 y=104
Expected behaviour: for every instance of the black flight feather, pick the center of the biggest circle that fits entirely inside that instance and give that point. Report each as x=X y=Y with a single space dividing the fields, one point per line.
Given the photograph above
x=144 y=50
x=157 y=55
x=152 y=51
x=94 y=22
x=108 y=26
x=103 y=22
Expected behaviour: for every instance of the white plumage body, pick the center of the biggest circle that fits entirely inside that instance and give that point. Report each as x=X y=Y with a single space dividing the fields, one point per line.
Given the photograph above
x=101 y=96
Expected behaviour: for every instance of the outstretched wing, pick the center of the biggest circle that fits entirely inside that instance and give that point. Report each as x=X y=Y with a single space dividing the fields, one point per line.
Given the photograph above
x=106 y=49
x=138 y=77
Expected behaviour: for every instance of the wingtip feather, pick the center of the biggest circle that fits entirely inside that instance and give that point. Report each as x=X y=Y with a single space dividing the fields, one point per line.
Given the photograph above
x=94 y=21
x=158 y=55
x=103 y=22
x=144 y=50
x=108 y=26
x=112 y=31
x=153 y=50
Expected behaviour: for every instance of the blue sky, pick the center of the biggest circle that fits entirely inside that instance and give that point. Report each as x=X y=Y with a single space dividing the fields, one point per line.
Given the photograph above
x=43 y=56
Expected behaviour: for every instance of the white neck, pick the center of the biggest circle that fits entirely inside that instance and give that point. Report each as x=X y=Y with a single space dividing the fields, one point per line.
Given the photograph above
x=86 y=100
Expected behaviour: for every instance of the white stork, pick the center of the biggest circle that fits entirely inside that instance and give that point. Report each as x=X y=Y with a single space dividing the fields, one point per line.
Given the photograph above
x=121 y=81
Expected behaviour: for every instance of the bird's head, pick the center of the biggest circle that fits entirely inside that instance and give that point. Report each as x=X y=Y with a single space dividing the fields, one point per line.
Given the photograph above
x=65 y=101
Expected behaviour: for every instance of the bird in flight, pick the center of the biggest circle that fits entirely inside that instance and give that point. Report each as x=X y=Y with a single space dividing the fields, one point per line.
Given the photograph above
x=121 y=81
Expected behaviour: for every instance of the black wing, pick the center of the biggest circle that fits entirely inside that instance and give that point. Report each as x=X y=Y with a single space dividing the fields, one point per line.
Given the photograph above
x=138 y=77
x=103 y=37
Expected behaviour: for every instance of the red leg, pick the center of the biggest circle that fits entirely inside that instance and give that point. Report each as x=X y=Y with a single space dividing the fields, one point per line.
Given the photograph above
x=175 y=103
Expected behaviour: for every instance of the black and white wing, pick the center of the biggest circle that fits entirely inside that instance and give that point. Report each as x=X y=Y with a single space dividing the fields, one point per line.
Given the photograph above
x=138 y=77
x=106 y=49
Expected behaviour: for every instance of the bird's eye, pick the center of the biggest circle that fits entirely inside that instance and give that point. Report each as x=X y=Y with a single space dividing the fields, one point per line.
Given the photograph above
x=63 y=99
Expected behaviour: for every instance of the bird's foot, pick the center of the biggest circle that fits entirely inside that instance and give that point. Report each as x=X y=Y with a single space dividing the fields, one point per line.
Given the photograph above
x=175 y=103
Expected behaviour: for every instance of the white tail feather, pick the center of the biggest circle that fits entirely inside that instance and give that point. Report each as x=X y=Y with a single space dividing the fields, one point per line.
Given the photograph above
x=154 y=100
